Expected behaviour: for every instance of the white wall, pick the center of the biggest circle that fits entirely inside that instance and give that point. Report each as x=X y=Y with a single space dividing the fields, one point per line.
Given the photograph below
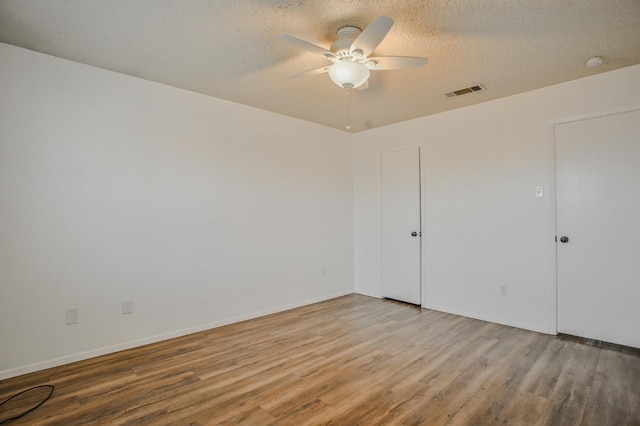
x=200 y=210
x=482 y=225
x=205 y=212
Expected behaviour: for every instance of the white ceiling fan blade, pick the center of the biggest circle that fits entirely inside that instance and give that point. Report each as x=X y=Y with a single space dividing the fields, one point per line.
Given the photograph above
x=309 y=47
x=394 y=62
x=315 y=71
x=372 y=36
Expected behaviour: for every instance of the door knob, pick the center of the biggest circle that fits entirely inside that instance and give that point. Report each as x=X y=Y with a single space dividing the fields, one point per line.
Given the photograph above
x=564 y=239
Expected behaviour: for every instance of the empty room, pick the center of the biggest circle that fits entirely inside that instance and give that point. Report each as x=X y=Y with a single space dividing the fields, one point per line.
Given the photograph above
x=319 y=212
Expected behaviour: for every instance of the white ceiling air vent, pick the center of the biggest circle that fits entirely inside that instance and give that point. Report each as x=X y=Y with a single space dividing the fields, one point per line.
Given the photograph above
x=470 y=89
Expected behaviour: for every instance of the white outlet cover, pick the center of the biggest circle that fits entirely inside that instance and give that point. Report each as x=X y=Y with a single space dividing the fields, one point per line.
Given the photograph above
x=127 y=307
x=71 y=316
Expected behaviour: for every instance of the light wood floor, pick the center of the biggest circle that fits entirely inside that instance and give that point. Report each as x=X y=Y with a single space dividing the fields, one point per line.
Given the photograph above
x=351 y=360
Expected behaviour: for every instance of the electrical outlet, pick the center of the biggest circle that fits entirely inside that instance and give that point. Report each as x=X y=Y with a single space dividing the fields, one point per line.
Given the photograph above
x=127 y=307
x=503 y=290
x=71 y=316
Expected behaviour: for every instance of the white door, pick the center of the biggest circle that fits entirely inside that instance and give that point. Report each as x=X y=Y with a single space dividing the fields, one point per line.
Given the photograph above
x=598 y=201
x=401 y=234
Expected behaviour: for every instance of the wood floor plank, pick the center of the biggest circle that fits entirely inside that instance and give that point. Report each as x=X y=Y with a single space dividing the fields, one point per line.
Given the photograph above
x=353 y=360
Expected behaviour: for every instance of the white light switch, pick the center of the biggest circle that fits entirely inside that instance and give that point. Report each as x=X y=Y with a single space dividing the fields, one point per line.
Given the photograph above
x=539 y=192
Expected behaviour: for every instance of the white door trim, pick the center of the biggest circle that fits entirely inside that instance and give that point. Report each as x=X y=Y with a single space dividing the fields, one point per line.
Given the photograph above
x=595 y=114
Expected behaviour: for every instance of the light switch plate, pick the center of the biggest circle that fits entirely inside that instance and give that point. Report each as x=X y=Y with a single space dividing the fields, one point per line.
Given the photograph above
x=539 y=192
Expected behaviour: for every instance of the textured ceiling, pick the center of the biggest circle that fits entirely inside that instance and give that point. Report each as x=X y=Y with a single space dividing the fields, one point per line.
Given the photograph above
x=230 y=48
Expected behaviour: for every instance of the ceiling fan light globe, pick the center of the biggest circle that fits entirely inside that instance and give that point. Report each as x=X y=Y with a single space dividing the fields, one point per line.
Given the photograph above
x=349 y=74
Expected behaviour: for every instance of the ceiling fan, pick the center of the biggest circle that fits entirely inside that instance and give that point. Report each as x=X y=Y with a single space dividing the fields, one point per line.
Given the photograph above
x=349 y=54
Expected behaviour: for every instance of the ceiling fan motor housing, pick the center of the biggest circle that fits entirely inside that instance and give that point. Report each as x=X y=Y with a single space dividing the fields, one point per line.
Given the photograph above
x=342 y=46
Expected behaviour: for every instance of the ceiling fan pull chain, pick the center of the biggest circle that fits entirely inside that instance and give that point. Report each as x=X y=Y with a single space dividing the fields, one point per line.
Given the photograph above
x=349 y=110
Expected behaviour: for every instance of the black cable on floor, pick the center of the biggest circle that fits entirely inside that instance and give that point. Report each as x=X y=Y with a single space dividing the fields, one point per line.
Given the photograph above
x=29 y=410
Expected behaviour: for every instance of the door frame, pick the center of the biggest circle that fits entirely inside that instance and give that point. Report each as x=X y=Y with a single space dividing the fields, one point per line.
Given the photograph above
x=563 y=120
x=420 y=215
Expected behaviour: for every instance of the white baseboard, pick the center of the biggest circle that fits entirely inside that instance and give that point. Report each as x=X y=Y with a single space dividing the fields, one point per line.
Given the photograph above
x=491 y=318
x=364 y=293
x=67 y=359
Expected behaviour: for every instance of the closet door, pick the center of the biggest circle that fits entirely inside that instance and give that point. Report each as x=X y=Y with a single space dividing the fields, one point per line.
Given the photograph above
x=598 y=226
x=401 y=233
